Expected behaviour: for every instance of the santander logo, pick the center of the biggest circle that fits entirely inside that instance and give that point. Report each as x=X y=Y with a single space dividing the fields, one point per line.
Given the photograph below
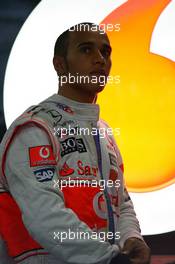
x=82 y=170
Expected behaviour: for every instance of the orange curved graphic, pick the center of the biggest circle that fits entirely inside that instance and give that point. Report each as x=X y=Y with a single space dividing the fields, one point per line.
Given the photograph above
x=143 y=104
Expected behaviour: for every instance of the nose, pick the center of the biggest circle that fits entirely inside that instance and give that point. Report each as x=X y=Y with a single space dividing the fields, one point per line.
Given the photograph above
x=98 y=58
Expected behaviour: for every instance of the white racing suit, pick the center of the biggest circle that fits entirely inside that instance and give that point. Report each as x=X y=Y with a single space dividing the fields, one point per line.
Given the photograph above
x=63 y=198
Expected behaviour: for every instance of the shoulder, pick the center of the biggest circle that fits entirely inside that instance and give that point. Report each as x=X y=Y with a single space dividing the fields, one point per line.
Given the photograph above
x=27 y=130
x=103 y=123
x=111 y=132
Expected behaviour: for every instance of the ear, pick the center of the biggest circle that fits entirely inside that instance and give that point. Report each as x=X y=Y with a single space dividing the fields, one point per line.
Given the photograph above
x=59 y=64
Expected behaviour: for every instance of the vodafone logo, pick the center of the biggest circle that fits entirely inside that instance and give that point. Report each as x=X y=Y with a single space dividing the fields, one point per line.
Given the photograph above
x=44 y=152
x=41 y=155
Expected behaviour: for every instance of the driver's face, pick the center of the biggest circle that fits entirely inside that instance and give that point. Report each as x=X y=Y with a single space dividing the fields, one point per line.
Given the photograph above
x=89 y=55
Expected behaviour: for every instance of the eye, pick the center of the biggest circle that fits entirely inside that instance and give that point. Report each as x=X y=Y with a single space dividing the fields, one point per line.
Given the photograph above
x=86 y=49
x=106 y=53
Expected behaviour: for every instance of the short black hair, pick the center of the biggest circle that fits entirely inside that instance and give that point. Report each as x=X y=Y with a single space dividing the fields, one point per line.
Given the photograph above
x=62 y=42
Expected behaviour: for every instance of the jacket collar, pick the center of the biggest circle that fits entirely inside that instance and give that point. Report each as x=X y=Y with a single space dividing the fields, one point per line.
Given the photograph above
x=80 y=110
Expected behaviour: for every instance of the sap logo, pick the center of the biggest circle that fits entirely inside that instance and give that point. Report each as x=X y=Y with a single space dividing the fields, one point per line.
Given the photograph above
x=45 y=174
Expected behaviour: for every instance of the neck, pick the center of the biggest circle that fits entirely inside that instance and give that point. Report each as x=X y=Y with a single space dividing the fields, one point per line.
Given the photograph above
x=77 y=95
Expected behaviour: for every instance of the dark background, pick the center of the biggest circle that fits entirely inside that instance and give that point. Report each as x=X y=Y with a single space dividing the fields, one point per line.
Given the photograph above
x=13 y=14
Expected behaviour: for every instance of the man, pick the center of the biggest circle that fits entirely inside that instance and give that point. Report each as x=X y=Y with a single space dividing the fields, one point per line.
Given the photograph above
x=63 y=177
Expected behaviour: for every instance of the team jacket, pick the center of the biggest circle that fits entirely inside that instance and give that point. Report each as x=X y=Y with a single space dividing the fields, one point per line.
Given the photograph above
x=62 y=177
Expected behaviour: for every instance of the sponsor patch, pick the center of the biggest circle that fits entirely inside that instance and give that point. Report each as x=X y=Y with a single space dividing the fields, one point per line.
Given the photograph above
x=66 y=170
x=72 y=145
x=45 y=174
x=86 y=169
x=55 y=115
x=41 y=155
x=65 y=108
x=113 y=160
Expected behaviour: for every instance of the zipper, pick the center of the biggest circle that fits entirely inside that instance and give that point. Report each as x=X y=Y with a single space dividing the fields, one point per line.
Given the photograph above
x=111 y=226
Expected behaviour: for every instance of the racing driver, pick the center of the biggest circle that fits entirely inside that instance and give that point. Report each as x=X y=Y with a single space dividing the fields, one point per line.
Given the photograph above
x=63 y=198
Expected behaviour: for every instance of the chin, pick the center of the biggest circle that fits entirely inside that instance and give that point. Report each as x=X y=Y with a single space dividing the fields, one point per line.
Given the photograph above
x=93 y=89
x=96 y=88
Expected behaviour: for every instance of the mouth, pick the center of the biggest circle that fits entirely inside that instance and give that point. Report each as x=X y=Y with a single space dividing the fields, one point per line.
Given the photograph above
x=98 y=73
